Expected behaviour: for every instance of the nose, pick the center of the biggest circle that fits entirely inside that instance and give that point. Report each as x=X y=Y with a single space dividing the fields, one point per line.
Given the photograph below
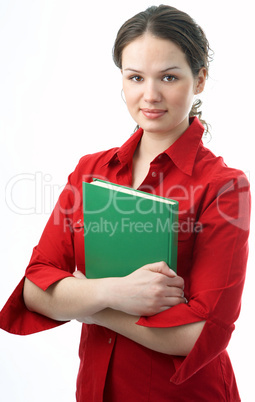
x=152 y=92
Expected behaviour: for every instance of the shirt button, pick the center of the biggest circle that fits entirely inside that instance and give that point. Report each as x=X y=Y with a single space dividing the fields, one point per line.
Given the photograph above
x=110 y=340
x=154 y=174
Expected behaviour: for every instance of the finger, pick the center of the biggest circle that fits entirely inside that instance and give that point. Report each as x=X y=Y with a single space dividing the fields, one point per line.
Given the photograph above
x=174 y=292
x=174 y=301
x=162 y=268
x=79 y=275
x=177 y=282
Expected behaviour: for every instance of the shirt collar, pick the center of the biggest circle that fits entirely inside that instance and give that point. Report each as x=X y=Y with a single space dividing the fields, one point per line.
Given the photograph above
x=182 y=152
x=125 y=153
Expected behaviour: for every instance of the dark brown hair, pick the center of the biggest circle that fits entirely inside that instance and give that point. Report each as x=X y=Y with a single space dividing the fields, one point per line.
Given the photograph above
x=167 y=22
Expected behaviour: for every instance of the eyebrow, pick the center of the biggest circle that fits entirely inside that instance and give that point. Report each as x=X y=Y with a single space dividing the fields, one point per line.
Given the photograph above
x=162 y=71
x=171 y=68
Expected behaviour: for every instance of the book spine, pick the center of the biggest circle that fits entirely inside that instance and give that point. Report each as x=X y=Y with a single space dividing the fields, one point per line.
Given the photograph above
x=173 y=237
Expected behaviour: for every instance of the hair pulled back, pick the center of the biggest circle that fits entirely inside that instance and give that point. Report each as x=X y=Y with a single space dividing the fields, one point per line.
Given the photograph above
x=167 y=22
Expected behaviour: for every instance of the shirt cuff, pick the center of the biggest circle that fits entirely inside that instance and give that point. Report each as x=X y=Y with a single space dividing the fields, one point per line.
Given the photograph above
x=43 y=276
x=212 y=341
x=179 y=315
x=17 y=319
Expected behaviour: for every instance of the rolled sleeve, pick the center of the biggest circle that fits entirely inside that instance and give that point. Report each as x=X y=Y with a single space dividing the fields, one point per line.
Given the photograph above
x=216 y=278
x=16 y=319
x=52 y=259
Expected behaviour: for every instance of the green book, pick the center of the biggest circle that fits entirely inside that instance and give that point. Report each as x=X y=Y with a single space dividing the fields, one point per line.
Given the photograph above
x=125 y=229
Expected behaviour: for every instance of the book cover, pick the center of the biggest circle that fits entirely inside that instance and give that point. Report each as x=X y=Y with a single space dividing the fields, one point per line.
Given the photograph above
x=125 y=229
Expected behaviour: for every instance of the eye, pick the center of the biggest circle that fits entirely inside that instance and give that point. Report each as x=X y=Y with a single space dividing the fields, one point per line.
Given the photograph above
x=136 y=78
x=169 y=78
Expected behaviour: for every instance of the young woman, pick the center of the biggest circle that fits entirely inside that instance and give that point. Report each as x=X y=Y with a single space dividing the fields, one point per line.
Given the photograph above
x=152 y=335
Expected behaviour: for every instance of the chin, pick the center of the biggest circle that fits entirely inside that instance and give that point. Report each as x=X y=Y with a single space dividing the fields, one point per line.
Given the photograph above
x=156 y=127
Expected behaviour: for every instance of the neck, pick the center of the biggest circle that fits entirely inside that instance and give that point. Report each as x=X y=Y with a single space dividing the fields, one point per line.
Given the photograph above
x=153 y=144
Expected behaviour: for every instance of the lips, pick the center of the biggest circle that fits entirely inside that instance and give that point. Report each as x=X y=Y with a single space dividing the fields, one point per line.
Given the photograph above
x=153 y=113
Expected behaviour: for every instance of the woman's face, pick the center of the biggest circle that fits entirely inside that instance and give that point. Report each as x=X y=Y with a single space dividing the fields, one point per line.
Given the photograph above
x=159 y=85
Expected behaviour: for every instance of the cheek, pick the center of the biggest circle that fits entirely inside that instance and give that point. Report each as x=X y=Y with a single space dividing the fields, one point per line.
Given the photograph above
x=131 y=96
x=130 y=101
x=182 y=96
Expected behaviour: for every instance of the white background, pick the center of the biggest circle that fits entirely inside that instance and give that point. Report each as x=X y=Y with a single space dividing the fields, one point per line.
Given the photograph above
x=60 y=99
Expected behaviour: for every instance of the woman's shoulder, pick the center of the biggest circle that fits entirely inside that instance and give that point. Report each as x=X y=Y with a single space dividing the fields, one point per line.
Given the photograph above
x=100 y=157
x=91 y=163
x=217 y=174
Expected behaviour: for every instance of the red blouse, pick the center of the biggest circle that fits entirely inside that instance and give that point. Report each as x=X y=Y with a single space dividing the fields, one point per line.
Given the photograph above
x=214 y=203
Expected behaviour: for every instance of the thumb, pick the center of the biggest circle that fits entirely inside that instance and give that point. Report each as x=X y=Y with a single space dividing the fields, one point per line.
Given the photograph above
x=162 y=268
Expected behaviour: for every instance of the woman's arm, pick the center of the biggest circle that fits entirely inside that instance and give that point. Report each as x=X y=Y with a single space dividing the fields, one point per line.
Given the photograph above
x=64 y=300
x=149 y=290
x=173 y=341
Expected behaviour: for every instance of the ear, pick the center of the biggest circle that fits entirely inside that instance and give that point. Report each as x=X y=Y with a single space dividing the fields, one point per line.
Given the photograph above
x=200 y=81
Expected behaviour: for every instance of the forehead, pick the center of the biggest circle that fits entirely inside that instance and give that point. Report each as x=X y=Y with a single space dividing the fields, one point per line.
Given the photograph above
x=149 y=50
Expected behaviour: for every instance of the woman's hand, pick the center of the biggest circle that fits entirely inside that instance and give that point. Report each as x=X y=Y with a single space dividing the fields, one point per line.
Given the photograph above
x=147 y=291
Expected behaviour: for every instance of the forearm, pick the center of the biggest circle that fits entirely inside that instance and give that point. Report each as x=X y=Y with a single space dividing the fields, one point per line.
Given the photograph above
x=147 y=291
x=67 y=299
x=173 y=341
